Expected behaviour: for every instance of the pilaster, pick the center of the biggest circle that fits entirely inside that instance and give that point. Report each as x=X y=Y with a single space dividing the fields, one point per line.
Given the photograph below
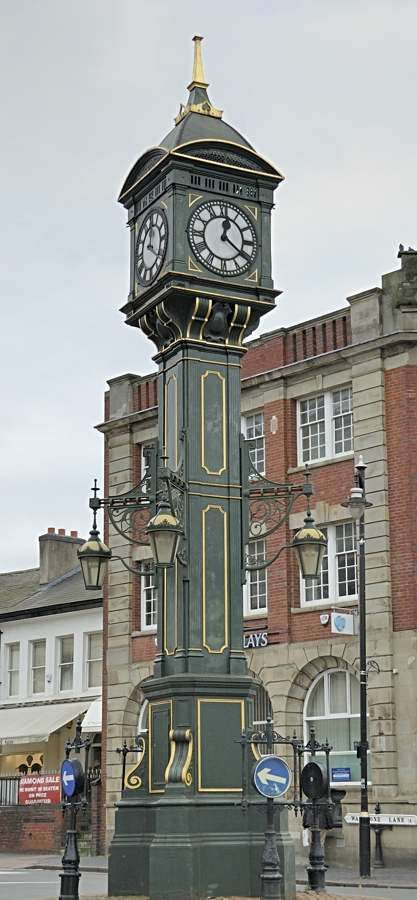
x=368 y=394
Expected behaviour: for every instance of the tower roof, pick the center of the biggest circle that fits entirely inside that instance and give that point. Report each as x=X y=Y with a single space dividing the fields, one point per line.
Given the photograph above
x=199 y=133
x=199 y=119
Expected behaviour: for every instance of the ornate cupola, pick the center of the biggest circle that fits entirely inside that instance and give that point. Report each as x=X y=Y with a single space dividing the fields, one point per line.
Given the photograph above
x=199 y=207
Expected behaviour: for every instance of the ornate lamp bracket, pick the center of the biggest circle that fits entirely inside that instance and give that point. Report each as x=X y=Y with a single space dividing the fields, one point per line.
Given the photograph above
x=267 y=507
x=129 y=513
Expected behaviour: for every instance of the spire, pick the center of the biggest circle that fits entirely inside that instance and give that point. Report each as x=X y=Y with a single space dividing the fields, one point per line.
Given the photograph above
x=198 y=101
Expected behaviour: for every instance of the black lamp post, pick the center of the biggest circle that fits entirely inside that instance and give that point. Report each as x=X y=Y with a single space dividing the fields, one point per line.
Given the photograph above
x=357 y=504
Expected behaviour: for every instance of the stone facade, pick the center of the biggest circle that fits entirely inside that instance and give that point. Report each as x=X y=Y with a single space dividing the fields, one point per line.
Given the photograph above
x=372 y=346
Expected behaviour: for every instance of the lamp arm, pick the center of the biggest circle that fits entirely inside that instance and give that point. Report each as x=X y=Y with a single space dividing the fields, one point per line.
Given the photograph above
x=140 y=568
x=268 y=562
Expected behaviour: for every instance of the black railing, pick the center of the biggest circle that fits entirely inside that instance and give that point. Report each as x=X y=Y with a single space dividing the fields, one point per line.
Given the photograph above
x=9 y=790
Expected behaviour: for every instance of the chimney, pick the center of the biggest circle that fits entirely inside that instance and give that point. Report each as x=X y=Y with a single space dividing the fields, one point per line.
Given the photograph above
x=57 y=553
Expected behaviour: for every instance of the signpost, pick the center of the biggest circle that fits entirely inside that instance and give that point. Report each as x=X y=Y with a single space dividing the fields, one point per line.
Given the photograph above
x=272 y=778
x=73 y=787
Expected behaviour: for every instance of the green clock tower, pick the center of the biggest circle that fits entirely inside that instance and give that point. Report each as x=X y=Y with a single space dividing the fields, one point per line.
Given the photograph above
x=199 y=211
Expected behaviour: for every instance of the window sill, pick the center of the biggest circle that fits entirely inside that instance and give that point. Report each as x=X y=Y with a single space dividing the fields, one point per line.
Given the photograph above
x=316 y=464
x=260 y=614
x=336 y=604
x=144 y=632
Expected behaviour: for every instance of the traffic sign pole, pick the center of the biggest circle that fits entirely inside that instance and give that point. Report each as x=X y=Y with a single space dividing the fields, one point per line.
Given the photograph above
x=271 y=875
x=73 y=786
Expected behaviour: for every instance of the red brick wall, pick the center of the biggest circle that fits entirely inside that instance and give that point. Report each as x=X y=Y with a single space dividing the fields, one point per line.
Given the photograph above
x=291 y=345
x=30 y=829
x=401 y=428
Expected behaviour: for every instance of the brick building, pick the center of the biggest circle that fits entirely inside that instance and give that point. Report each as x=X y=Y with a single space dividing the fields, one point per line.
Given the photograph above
x=320 y=393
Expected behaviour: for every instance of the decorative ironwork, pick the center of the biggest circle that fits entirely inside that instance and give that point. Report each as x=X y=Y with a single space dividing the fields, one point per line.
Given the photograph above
x=130 y=512
x=268 y=738
x=270 y=504
x=132 y=779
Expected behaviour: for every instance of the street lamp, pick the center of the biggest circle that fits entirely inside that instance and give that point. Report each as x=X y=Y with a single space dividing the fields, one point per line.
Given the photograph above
x=94 y=554
x=309 y=544
x=164 y=531
x=357 y=504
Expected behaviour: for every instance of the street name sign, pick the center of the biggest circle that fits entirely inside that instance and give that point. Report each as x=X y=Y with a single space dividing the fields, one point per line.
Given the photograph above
x=271 y=776
x=383 y=819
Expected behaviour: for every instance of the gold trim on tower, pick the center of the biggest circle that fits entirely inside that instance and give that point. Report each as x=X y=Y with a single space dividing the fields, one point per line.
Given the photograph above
x=253 y=210
x=200 y=786
x=171 y=652
x=171 y=377
x=253 y=276
x=192 y=266
x=192 y=198
x=206 y=644
x=152 y=704
x=204 y=420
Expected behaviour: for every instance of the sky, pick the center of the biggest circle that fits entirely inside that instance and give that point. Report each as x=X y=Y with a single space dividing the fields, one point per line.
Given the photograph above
x=325 y=89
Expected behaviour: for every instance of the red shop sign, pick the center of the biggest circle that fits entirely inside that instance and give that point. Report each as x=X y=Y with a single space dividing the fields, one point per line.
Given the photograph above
x=40 y=789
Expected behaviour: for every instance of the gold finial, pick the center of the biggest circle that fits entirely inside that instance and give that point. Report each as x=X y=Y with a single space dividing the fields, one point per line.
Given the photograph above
x=198 y=100
x=198 y=79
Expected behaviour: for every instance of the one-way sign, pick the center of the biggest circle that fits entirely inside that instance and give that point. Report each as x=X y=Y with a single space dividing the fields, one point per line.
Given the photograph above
x=72 y=777
x=271 y=776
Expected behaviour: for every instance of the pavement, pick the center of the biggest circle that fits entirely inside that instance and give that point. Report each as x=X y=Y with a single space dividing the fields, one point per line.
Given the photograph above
x=340 y=881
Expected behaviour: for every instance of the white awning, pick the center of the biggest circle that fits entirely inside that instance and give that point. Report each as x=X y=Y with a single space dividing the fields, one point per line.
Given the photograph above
x=34 y=724
x=92 y=718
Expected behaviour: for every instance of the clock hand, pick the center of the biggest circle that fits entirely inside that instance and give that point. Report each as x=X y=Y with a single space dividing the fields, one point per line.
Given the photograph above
x=226 y=225
x=154 y=251
x=242 y=252
x=150 y=245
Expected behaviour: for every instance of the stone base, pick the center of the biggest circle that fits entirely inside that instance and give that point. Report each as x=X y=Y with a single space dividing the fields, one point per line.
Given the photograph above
x=176 y=849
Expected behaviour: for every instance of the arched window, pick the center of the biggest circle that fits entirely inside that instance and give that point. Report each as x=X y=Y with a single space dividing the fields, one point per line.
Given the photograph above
x=262 y=707
x=332 y=707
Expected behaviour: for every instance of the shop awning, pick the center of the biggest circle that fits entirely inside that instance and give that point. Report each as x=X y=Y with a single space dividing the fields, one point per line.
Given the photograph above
x=92 y=718
x=34 y=724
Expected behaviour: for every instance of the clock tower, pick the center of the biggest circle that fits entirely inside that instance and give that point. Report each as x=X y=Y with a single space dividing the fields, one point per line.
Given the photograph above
x=199 y=212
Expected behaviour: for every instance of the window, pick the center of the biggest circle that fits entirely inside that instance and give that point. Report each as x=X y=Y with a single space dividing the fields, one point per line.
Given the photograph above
x=13 y=665
x=255 y=589
x=148 y=600
x=325 y=425
x=38 y=653
x=253 y=430
x=94 y=657
x=66 y=662
x=338 y=574
x=332 y=707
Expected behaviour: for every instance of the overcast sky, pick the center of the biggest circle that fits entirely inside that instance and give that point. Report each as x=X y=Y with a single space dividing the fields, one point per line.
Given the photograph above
x=325 y=89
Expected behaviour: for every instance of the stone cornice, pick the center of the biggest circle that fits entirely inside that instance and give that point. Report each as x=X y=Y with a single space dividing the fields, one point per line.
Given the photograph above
x=330 y=357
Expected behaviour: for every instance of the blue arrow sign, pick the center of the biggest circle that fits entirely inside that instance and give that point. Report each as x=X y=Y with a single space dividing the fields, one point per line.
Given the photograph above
x=271 y=776
x=68 y=778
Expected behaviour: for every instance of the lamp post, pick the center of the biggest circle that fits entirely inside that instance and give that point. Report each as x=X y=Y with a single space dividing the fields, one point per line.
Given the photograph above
x=357 y=504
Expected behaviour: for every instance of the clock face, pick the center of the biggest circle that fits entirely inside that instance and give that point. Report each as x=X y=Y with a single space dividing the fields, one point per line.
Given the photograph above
x=151 y=245
x=222 y=237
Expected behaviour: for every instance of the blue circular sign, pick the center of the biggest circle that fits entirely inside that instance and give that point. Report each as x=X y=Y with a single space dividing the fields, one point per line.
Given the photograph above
x=271 y=776
x=72 y=777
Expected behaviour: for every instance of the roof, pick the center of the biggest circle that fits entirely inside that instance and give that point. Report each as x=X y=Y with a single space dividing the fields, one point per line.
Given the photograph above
x=197 y=123
x=195 y=127
x=21 y=591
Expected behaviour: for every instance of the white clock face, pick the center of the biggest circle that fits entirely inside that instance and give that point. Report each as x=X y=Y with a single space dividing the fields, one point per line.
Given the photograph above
x=151 y=246
x=222 y=237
